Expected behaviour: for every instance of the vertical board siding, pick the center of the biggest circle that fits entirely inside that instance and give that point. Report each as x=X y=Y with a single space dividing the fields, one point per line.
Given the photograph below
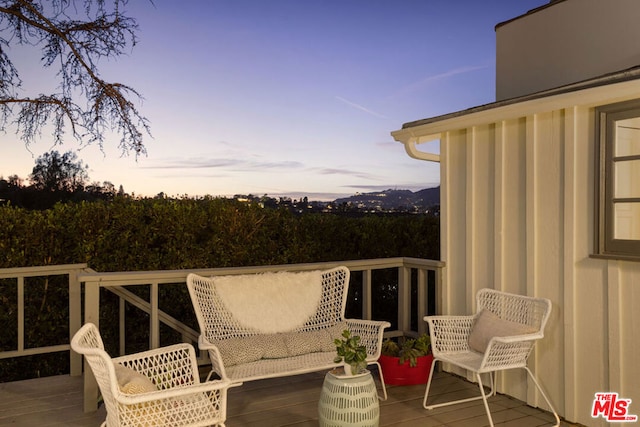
x=625 y=370
x=510 y=207
x=468 y=214
x=518 y=215
x=453 y=147
x=453 y=193
x=510 y=230
x=549 y=246
x=573 y=139
x=480 y=211
x=585 y=305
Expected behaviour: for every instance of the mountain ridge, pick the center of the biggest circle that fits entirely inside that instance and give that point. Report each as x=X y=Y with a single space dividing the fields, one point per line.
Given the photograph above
x=394 y=198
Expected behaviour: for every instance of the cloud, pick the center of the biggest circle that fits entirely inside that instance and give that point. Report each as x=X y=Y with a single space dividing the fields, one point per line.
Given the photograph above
x=193 y=164
x=421 y=84
x=361 y=108
x=451 y=73
x=388 y=145
x=347 y=172
x=284 y=164
x=225 y=163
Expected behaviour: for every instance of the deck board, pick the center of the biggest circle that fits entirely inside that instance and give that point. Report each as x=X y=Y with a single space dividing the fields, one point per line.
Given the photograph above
x=290 y=401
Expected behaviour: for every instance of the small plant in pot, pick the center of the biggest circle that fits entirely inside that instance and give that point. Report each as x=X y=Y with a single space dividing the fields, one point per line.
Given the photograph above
x=406 y=361
x=351 y=352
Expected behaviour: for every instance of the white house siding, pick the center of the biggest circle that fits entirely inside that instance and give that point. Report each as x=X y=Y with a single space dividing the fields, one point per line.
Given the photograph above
x=517 y=212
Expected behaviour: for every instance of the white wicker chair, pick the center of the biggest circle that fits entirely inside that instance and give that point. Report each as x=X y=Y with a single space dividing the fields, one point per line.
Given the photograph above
x=218 y=324
x=509 y=337
x=163 y=385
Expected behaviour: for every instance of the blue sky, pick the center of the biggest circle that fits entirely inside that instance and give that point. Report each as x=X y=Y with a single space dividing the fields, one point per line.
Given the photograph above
x=286 y=97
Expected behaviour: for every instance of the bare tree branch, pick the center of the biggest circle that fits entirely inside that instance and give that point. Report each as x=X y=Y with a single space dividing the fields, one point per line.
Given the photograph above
x=72 y=41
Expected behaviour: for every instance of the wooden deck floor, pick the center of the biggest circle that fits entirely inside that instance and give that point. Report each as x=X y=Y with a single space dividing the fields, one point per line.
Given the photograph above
x=292 y=401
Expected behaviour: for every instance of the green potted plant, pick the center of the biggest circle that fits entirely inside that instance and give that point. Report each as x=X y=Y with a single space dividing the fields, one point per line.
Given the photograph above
x=351 y=352
x=406 y=361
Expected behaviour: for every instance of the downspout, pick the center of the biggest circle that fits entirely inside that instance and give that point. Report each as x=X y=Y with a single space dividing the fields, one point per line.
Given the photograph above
x=411 y=145
x=412 y=151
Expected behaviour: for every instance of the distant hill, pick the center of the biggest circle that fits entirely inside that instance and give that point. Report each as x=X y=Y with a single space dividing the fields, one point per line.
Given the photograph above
x=393 y=199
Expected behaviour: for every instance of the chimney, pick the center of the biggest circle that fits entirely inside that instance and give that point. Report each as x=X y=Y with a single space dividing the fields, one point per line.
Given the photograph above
x=564 y=42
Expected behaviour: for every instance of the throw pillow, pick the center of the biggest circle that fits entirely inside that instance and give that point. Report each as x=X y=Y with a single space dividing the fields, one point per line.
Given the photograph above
x=299 y=343
x=132 y=382
x=333 y=332
x=235 y=351
x=274 y=346
x=487 y=325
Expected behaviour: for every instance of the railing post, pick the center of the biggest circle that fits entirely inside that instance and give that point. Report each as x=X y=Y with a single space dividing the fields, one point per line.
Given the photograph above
x=122 y=329
x=367 y=311
x=439 y=291
x=91 y=314
x=21 y=313
x=404 y=299
x=75 y=321
x=423 y=293
x=154 y=336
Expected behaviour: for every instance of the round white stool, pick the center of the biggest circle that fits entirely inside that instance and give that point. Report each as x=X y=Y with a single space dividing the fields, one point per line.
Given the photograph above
x=348 y=401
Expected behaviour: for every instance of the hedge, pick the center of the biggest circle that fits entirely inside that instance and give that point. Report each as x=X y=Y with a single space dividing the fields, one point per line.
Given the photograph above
x=160 y=234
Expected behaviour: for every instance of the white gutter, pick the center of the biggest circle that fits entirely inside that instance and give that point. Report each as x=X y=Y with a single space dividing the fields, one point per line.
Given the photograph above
x=411 y=148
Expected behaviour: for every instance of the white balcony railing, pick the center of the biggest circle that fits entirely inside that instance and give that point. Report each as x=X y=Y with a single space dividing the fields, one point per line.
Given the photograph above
x=420 y=272
x=18 y=275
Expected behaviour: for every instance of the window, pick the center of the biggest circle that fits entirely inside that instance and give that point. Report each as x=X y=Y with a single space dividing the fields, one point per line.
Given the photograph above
x=618 y=175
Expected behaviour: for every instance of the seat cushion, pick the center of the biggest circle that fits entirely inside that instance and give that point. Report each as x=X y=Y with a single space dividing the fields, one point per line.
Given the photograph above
x=487 y=325
x=313 y=341
x=236 y=351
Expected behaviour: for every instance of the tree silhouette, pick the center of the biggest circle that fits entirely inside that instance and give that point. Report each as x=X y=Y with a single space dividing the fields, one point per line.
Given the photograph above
x=73 y=36
x=54 y=172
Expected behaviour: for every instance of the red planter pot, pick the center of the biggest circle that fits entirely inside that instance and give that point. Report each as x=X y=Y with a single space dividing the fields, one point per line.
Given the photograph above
x=397 y=374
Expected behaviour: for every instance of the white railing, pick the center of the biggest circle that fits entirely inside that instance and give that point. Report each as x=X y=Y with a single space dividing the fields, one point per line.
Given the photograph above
x=75 y=310
x=117 y=283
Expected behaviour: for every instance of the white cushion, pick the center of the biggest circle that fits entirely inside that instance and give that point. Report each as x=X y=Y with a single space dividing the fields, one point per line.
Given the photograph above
x=132 y=382
x=487 y=325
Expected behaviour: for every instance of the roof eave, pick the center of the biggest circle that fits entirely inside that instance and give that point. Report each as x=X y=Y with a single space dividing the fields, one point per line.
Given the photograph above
x=614 y=86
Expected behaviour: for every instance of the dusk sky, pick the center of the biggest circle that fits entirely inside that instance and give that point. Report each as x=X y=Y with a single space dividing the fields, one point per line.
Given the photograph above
x=286 y=97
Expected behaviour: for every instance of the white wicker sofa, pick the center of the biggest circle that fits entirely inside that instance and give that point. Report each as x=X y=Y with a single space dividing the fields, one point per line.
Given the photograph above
x=277 y=324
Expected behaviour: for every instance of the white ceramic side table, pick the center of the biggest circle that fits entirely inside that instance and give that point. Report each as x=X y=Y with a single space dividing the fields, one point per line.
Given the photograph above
x=348 y=401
